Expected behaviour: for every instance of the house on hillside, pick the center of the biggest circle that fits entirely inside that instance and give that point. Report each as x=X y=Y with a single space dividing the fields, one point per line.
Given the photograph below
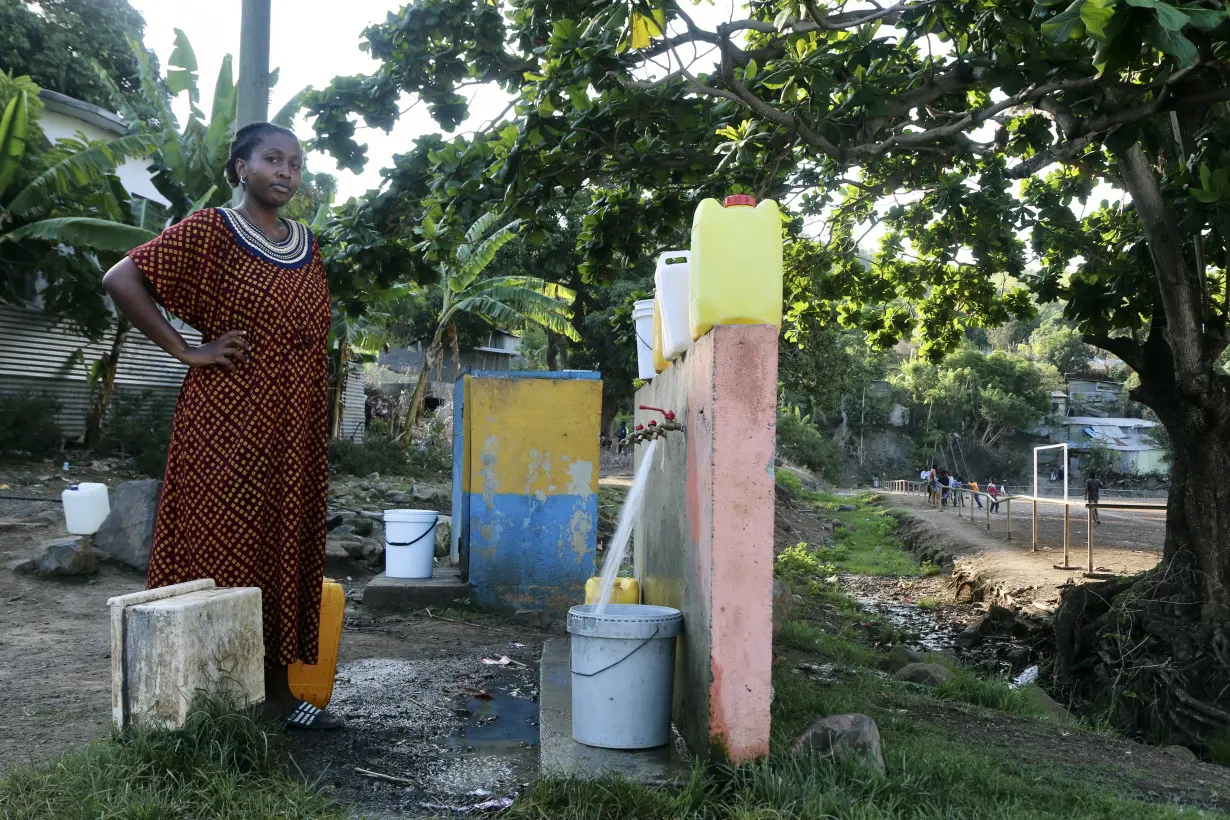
x=1095 y=397
x=398 y=368
x=1133 y=450
x=40 y=354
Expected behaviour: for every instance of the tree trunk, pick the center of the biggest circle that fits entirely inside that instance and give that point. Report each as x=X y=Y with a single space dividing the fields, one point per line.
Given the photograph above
x=1156 y=646
x=430 y=356
x=555 y=351
x=104 y=386
x=337 y=388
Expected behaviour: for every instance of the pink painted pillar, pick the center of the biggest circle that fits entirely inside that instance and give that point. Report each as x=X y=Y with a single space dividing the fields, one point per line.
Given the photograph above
x=704 y=538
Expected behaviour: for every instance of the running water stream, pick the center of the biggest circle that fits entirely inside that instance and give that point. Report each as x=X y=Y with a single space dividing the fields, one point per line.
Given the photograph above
x=623 y=532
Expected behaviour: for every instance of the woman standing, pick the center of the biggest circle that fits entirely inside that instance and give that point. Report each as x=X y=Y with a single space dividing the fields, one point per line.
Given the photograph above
x=246 y=491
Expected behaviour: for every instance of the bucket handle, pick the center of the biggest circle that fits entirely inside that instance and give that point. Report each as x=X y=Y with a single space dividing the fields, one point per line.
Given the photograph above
x=431 y=527
x=639 y=647
x=686 y=255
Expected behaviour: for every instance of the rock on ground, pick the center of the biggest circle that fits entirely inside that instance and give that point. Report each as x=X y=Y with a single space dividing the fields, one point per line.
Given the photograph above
x=969 y=638
x=844 y=737
x=901 y=656
x=928 y=674
x=128 y=533
x=67 y=556
x=444 y=535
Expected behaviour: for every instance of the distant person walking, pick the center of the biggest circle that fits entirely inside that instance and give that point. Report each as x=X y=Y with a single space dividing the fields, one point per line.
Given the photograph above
x=1093 y=489
x=973 y=486
x=933 y=485
x=993 y=495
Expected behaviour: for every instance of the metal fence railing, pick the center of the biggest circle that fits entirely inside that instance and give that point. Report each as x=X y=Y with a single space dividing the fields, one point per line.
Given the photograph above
x=962 y=498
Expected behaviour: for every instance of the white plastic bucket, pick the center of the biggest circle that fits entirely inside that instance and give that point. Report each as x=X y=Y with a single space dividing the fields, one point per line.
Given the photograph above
x=642 y=316
x=671 y=278
x=86 y=506
x=623 y=674
x=409 y=543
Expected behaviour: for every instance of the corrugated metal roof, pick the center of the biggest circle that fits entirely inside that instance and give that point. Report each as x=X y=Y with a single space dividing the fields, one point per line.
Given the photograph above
x=1094 y=421
x=354 y=405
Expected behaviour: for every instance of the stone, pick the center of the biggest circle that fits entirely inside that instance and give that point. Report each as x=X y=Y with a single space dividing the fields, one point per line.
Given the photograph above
x=128 y=532
x=372 y=551
x=1048 y=704
x=782 y=602
x=430 y=493
x=1180 y=753
x=928 y=674
x=344 y=529
x=901 y=656
x=969 y=638
x=335 y=551
x=1018 y=658
x=67 y=556
x=844 y=737
x=22 y=566
x=361 y=526
x=536 y=618
x=373 y=476
x=846 y=508
x=399 y=498
x=444 y=534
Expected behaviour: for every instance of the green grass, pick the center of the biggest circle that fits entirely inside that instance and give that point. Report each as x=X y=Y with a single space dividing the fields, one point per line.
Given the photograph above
x=993 y=693
x=928 y=603
x=223 y=764
x=864 y=538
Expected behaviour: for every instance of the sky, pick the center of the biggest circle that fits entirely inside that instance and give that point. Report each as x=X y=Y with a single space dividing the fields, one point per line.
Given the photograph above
x=311 y=42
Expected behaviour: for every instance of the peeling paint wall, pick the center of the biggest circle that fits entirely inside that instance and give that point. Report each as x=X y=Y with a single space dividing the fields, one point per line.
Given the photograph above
x=704 y=538
x=528 y=490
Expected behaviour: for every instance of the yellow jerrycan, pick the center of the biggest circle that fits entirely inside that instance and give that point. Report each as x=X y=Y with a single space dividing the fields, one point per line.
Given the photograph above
x=736 y=276
x=625 y=591
x=659 y=360
x=314 y=682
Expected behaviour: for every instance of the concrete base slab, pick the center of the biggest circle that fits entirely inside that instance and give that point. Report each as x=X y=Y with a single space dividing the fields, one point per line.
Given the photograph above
x=560 y=755
x=408 y=594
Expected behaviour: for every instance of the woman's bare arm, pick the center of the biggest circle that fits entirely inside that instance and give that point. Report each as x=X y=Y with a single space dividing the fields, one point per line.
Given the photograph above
x=129 y=289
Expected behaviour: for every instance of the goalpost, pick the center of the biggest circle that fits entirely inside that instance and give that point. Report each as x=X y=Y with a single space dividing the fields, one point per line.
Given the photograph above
x=1064 y=472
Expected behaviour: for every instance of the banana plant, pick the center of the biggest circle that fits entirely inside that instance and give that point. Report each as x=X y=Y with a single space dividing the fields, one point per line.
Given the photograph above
x=511 y=302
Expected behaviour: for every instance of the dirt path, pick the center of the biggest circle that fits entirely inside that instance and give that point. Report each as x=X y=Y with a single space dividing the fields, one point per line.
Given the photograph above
x=1125 y=543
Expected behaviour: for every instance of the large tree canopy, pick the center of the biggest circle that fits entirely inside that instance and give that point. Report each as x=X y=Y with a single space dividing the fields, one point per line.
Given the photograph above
x=62 y=45
x=1076 y=146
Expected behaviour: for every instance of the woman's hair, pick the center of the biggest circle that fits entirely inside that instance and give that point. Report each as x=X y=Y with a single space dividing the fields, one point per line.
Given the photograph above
x=245 y=142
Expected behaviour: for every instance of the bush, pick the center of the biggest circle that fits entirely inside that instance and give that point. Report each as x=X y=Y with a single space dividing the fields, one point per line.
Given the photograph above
x=138 y=427
x=375 y=454
x=802 y=443
x=28 y=425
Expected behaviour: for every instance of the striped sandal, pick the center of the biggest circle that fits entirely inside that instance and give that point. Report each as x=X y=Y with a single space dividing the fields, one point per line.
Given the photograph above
x=307 y=717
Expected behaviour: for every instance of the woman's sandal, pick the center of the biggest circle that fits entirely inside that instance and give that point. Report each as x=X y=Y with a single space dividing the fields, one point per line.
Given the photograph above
x=306 y=717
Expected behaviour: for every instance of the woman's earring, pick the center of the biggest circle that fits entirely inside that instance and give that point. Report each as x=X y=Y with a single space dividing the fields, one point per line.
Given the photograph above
x=243 y=182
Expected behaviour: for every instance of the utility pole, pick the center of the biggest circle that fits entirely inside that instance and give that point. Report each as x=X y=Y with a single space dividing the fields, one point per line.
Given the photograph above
x=253 y=66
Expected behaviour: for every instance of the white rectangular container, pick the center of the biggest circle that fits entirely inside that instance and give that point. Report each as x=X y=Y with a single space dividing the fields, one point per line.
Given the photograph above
x=671 y=280
x=86 y=506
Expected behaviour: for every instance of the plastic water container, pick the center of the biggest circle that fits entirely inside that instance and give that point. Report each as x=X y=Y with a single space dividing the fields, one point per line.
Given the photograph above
x=86 y=506
x=736 y=264
x=642 y=317
x=671 y=278
x=625 y=591
x=409 y=543
x=659 y=361
x=313 y=682
x=623 y=674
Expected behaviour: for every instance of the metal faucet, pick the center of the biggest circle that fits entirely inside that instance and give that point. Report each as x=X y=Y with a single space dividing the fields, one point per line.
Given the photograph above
x=653 y=430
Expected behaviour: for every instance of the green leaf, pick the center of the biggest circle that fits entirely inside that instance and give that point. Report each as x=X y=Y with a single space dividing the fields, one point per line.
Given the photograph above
x=1170 y=18
x=78 y=170
x=1065 y=26
x=84 y=232
x=286 y=114
x=750 y=72
x=1142 y=4
x=1174 y=44
x=181 y=74
x=1097 y=15
x=1202 y=18
x=14 y=129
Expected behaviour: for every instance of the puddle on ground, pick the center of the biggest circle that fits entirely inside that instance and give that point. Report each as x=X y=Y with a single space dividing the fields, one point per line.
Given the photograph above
x=507 y=715
x=928 y=631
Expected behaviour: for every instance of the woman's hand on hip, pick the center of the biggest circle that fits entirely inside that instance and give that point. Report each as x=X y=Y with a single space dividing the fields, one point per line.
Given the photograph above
x=227 y=352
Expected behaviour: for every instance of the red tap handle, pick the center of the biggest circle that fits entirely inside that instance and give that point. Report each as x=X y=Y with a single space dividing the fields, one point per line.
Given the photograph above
x=640 y=427
x=669 y=415
x=653 y=423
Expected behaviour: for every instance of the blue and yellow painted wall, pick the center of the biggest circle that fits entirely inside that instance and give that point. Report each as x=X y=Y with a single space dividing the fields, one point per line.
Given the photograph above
x=525 y=485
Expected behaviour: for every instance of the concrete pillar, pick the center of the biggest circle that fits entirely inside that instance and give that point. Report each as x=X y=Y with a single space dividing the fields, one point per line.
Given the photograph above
x=704 y=538
x=253 y=62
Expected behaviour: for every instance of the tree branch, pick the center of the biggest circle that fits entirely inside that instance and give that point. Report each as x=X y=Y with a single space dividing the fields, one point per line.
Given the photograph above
x=1125 y=348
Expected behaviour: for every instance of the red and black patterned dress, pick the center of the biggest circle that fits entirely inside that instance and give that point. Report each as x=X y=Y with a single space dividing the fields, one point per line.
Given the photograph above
x=246 y=492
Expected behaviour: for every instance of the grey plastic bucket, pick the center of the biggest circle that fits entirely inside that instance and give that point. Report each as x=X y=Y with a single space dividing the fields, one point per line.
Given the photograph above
x=623 y=674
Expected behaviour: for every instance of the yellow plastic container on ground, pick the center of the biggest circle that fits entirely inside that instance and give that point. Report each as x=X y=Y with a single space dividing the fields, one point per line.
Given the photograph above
x=626 y=591
x=659 y=360
x=736 y=276
x=314 y=682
